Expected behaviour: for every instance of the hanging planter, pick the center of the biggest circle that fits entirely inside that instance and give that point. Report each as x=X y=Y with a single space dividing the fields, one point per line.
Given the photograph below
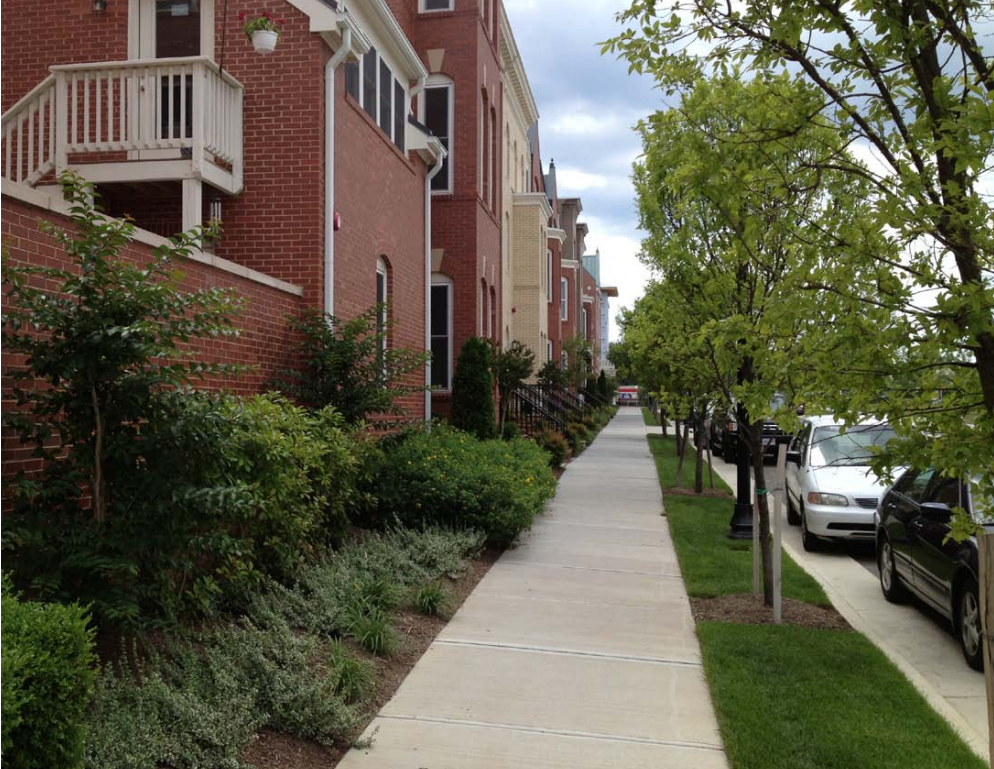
x=264 y=31
x=264 y=40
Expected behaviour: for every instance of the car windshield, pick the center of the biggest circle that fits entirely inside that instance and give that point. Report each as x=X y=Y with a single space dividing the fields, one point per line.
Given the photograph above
x=833 y=447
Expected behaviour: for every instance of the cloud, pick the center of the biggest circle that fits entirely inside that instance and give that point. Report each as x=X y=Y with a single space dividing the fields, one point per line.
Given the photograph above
x=578 y=180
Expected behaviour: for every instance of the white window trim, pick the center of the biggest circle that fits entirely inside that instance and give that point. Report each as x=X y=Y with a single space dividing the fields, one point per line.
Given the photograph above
x=450 y=6
x=382 y=271
x=442 y=280
x=564 y=299
x=441 y=81
x=548 y=350
x=584 y=322
x=548 y=274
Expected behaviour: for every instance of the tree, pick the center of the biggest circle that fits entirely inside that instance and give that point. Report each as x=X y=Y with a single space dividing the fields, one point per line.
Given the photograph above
x=620 y=357
x=350 y=365
x=102 y=337
x=734 y=230
x=473 y=390
x=906 y=88
x=510 y=368
x=551 y=374
x=579 y=358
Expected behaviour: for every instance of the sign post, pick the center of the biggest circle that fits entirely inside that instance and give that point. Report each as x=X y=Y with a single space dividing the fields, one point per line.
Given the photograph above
x=778 y=502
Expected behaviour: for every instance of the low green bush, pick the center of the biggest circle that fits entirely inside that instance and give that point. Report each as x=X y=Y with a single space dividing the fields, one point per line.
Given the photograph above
x=473 y=390
x=47 y=681
x=226 y=492
x=449 y=478
x=197 y=706
x=555 y=444
x=432 y=599
x=577 y=436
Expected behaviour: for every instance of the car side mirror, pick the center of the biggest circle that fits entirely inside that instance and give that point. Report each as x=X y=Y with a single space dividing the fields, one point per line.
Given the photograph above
x=794 y=457
x=939 y=512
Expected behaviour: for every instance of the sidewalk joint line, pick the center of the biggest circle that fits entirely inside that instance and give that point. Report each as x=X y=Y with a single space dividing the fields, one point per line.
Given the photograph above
x=592 y=568
x=558 y=732
x=529 y=648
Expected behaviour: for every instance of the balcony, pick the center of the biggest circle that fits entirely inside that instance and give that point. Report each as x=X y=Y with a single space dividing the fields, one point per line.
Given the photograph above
x=130 y=122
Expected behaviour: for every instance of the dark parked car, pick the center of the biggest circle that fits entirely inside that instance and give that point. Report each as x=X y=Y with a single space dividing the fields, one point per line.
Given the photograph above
x=725 y=442
x=915 y=557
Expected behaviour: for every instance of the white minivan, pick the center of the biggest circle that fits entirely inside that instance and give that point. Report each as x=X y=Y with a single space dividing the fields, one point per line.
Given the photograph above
x=831 y=490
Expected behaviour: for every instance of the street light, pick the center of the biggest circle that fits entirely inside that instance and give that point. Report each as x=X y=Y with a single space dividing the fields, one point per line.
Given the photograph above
x=741 y=523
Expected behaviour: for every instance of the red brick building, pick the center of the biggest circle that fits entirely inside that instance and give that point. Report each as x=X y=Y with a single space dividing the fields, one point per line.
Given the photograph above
x=307 y=155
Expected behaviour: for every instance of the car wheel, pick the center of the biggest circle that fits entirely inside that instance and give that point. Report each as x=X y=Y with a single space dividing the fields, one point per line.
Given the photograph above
x=894 y=591
x=968 y=624
x=810 y=541
x=793 y=517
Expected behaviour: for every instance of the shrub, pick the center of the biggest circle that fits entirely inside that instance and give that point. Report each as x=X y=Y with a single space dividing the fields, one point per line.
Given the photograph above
x=353 y=678
x=47 y=680
x=348 y=365
x=370 y=626
x=550 y=374
x=510 y=368
x=577 y=436
x=555 y=444
x=473 y=390
x=432 y=599
x=448 y=478
x=227 y=491
x=511 y=430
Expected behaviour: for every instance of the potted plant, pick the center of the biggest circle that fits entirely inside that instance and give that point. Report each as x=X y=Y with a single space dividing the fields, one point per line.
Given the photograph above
x=264 y=31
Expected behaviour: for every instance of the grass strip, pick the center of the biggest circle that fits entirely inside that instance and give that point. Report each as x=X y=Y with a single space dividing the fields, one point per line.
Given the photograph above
x=650 y=417
x=712 y=564
x=790 y=697
x=799 y=698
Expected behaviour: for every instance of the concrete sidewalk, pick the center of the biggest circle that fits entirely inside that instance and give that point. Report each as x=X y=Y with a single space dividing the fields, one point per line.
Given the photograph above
x=576 y=650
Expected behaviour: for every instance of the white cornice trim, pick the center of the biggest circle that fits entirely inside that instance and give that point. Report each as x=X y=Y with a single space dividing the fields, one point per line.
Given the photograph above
x=386 y=17
x=588 y=299
x=514 y=68
x=534 y=199
x=570 y=264
x=56 y=204
x=556 y=234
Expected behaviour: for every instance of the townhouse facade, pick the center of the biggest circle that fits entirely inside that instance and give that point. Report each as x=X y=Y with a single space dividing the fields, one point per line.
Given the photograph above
x=386 y=151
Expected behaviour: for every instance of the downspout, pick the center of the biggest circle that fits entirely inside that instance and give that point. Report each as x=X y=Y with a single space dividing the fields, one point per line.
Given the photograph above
x=329 y=169
x=439 y=159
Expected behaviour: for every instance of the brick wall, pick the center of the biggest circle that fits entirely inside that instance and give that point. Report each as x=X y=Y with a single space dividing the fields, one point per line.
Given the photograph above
x=265 y=343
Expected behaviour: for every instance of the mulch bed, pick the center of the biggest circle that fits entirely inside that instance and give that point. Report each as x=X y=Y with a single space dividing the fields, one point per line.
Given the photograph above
x=714 y=493
x=273 y=750
x=747 y=609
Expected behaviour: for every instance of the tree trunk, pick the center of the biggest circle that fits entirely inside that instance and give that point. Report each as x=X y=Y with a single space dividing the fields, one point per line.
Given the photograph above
x=676 y=435
x=99 y=479
x=707 y=446
x=682 y=454
x=755 y=442
x=699 y=458
x=663 y=421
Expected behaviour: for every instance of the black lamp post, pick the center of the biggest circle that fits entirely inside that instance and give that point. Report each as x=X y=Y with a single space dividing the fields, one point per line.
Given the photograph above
x=741 y=523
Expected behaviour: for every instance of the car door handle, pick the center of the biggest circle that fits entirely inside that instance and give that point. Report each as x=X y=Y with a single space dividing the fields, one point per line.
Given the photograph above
x=915 y=524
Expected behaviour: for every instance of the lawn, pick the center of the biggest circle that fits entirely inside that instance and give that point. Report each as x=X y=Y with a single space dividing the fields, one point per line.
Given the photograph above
x=712 y=564
x=792 y=697
x=798 y=698
x=649 y=417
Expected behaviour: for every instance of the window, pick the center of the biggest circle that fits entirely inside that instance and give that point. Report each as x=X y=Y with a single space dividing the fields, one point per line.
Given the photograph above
x=548 y=274
x=584 y=322
x=494 y=168
x=386 y=98
x=441 y=333
x=436 y=5
x=493 y=329
x=369 y=83
x=484 y=315
x=484 y=151
x=548 y=350
x=563 y=299
x=438 y=119
x=352 y=80
x=399 y=116
x=382 y=298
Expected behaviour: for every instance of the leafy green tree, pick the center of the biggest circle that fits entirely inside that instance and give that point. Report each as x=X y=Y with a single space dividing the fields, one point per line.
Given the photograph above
x=908 y=88
x=102 y=337
x=510 y=369
x=473 y=390
x=735 y=230
x=551 y=374
x=350 y=365
x=579 y=358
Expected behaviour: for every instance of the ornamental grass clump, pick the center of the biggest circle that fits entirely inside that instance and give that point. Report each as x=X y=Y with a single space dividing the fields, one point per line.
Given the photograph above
x=449 y=478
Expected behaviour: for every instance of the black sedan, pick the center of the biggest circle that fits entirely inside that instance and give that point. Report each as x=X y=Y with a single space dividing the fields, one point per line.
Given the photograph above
x=915 y=556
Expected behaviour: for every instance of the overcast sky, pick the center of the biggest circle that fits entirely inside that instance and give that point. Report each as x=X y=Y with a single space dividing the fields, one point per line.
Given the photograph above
x=588 y=104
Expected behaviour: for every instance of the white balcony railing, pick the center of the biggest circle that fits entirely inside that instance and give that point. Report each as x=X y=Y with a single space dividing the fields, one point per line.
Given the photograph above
x=127 y=111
